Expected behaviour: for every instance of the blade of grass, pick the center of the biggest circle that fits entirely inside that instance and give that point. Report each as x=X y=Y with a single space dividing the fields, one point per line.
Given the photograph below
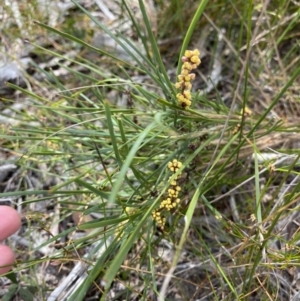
x=190 y=32
x=125 y=166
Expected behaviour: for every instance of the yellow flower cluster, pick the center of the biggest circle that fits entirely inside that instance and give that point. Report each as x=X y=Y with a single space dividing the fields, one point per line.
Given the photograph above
x=172 y=200
x=190 y=61
x=160 y=220
x=247 y=113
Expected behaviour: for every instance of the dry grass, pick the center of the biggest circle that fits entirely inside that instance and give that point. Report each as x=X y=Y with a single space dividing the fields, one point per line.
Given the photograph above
x=70 y=129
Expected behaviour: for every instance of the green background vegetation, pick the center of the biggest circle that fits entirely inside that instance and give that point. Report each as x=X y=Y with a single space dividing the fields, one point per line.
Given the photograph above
x=98 y=137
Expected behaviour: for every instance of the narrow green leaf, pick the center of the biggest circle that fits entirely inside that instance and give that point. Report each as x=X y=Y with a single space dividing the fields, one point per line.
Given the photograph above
x=91 y=188
x=12 y=290
x=190 y=32
x=25 y=294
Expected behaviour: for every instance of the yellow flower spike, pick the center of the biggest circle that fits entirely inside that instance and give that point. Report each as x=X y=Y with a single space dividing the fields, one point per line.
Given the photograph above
x=195 y=59
x=184 y=72
x=192 y=76
x=172 y=200
x=178 y=85
x=190 y=61
x=130 y=210
x=185 y=99
x=188 y=86
x=181 y=78
x=171 y=192
x=187 y=94
x=186 y=66
x=182 y=102
x=187 y=78
x=188 y=53
x=180 y=97
x=247 y=112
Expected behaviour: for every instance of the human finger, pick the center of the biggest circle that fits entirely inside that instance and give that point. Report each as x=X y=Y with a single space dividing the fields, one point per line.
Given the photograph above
x=10 y=221
x=6 y=259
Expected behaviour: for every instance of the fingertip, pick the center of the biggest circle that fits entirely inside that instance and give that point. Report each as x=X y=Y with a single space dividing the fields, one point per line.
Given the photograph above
x=10 y=221
x=6 y=259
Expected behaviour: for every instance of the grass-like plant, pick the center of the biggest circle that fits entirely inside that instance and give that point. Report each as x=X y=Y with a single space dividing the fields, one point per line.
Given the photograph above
x=189 y=194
